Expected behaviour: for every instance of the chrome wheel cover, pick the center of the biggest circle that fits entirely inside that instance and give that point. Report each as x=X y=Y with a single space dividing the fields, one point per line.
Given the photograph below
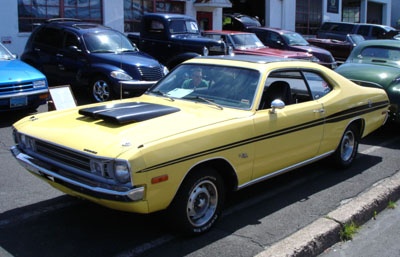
x=101 y=91
x=202 y=203
x=347 y=145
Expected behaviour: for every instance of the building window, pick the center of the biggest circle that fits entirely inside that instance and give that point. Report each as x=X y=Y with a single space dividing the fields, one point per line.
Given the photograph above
x=33 y=12
x=133 y=11
x=308 y=16
x=351 y=14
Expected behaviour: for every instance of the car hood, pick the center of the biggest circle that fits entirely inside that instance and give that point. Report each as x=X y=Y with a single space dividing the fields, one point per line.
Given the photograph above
x=273 y=52
x=382 y=75
x=320 y=53
x=309 y=49
x=151 y=120
x=16 y=70
x=127 y=58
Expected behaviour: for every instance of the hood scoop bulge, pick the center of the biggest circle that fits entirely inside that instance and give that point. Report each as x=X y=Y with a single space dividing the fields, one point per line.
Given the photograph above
x=124 y=113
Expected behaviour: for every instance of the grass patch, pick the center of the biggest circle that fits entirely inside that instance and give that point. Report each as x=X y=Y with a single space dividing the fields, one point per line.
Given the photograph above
x=392 y=205
x=348 y=231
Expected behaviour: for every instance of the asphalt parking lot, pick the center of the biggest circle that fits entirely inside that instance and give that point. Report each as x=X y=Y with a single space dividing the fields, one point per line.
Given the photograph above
x=36 y=220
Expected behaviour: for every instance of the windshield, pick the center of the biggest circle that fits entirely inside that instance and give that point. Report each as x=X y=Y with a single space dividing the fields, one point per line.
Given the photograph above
x=249 y=21
x=381 y=52
x=217 y=85
x=295 y=39
x=248 y=40
x=354 y=38
x=108 y=41
x=4 y=53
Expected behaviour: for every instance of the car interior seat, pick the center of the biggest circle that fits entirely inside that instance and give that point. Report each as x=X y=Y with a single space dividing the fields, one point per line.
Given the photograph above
x=277 y=90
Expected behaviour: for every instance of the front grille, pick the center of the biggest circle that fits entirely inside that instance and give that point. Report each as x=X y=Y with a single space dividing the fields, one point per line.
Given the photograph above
x=151 y=73
x=16 y=87
x=61 y=155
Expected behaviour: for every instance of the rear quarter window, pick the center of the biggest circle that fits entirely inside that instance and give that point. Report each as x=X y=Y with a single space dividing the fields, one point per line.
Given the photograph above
x=49 y=37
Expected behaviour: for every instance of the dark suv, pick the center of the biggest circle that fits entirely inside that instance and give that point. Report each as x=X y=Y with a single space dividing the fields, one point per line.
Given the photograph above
x=91 y=55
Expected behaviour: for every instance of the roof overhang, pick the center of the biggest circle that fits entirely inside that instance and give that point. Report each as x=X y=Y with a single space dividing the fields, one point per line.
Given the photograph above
x=212 y=3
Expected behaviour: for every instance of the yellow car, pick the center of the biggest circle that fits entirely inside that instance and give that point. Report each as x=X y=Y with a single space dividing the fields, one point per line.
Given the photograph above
x=182 y=149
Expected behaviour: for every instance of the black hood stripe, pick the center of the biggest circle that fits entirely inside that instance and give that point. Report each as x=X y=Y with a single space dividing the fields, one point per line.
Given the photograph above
x=340 y=116
x=124 y=113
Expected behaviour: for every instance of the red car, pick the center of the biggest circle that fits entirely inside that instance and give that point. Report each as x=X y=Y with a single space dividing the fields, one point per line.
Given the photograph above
x=249 y=43
x=339 y=49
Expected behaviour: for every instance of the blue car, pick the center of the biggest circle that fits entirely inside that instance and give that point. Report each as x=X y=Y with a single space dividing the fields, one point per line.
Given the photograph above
x=93 y=57
x=21 y=85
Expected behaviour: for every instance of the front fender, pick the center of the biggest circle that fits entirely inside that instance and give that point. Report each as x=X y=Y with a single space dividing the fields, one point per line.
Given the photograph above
x=86 y=74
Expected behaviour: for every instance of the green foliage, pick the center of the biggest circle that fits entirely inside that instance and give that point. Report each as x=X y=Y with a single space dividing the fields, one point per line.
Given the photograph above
x=348 y=231
x=392 y=205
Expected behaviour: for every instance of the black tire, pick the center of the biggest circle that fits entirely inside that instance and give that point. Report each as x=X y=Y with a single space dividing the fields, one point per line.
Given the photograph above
x=348 y=147
x=100 y=89
x=198 y=203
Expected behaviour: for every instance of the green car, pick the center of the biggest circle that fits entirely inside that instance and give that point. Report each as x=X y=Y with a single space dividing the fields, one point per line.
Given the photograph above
x=376 y=63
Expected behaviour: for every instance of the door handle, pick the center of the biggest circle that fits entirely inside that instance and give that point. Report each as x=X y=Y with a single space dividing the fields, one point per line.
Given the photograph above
x=319 y=111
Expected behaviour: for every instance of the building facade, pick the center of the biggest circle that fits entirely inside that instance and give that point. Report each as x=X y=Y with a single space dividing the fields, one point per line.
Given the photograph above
x=18 y=18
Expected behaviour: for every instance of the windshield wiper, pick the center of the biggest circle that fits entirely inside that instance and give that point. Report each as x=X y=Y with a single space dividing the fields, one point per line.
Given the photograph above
x=103 y=51
x=209 y=101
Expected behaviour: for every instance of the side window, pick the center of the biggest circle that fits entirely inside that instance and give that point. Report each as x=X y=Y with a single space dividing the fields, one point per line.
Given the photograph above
x=71 y=40
x=268 y=38
x=49 y=37
x=378 y=32
x=364 y=30
x=288 y=86
x=318 y=86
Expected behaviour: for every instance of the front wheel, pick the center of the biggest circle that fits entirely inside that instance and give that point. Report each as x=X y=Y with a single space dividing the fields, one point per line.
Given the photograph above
x=101 y=90
x=348 y=147
x=198 y=203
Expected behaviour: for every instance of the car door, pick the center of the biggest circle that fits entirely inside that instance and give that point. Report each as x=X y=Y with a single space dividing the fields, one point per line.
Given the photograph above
x=288 y=136
x=70 y=57
x=46 y=45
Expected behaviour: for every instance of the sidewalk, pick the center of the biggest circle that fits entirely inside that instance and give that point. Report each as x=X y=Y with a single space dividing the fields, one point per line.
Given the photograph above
x=324 y=232
x=378 y=237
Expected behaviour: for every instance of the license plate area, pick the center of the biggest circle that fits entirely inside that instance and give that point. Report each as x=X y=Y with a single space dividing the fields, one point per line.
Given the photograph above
x=18 y=101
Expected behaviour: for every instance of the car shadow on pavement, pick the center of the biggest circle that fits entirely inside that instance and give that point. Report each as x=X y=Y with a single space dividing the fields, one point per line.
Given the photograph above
x=10 y=117
x=65 y=226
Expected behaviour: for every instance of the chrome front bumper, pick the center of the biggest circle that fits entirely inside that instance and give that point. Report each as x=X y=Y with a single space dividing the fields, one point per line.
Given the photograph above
x=39 y=168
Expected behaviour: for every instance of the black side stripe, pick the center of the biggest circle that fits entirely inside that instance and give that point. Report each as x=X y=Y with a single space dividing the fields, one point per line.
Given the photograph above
x=343 y=115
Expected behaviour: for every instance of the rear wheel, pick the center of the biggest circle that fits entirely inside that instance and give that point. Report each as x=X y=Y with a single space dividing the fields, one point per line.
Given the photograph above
x=101 y=89
x=199 y=201
x=348 y=147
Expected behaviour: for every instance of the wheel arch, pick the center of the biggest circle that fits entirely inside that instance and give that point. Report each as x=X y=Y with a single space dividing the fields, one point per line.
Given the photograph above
x=222 y=167
x=360 y=124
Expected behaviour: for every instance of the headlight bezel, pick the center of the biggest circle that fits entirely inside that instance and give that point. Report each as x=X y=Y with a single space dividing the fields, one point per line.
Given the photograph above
x=120 y=75
x=122 y=171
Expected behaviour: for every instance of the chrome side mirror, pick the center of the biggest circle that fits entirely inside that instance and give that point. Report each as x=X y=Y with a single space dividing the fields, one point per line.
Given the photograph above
x=277 y=104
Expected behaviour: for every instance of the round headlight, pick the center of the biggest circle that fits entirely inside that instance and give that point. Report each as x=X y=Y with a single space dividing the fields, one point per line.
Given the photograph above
x=122 y=172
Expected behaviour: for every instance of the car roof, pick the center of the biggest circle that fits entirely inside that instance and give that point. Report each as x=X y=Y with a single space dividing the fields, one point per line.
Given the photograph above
x=386 y=27
x=278 y=30
x=380 y=42
x=226 y=32
x=247 y=58
x=74 y=24
x=169 y=16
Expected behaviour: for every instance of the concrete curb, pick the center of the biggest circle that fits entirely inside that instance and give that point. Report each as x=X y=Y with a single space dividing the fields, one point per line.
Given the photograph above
x=324 y=232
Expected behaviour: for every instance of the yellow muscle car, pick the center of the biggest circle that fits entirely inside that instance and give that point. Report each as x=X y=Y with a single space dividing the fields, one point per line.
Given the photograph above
x=182 y=149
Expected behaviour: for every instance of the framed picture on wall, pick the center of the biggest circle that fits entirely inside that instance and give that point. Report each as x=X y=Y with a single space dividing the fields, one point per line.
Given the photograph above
x=333 y=6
